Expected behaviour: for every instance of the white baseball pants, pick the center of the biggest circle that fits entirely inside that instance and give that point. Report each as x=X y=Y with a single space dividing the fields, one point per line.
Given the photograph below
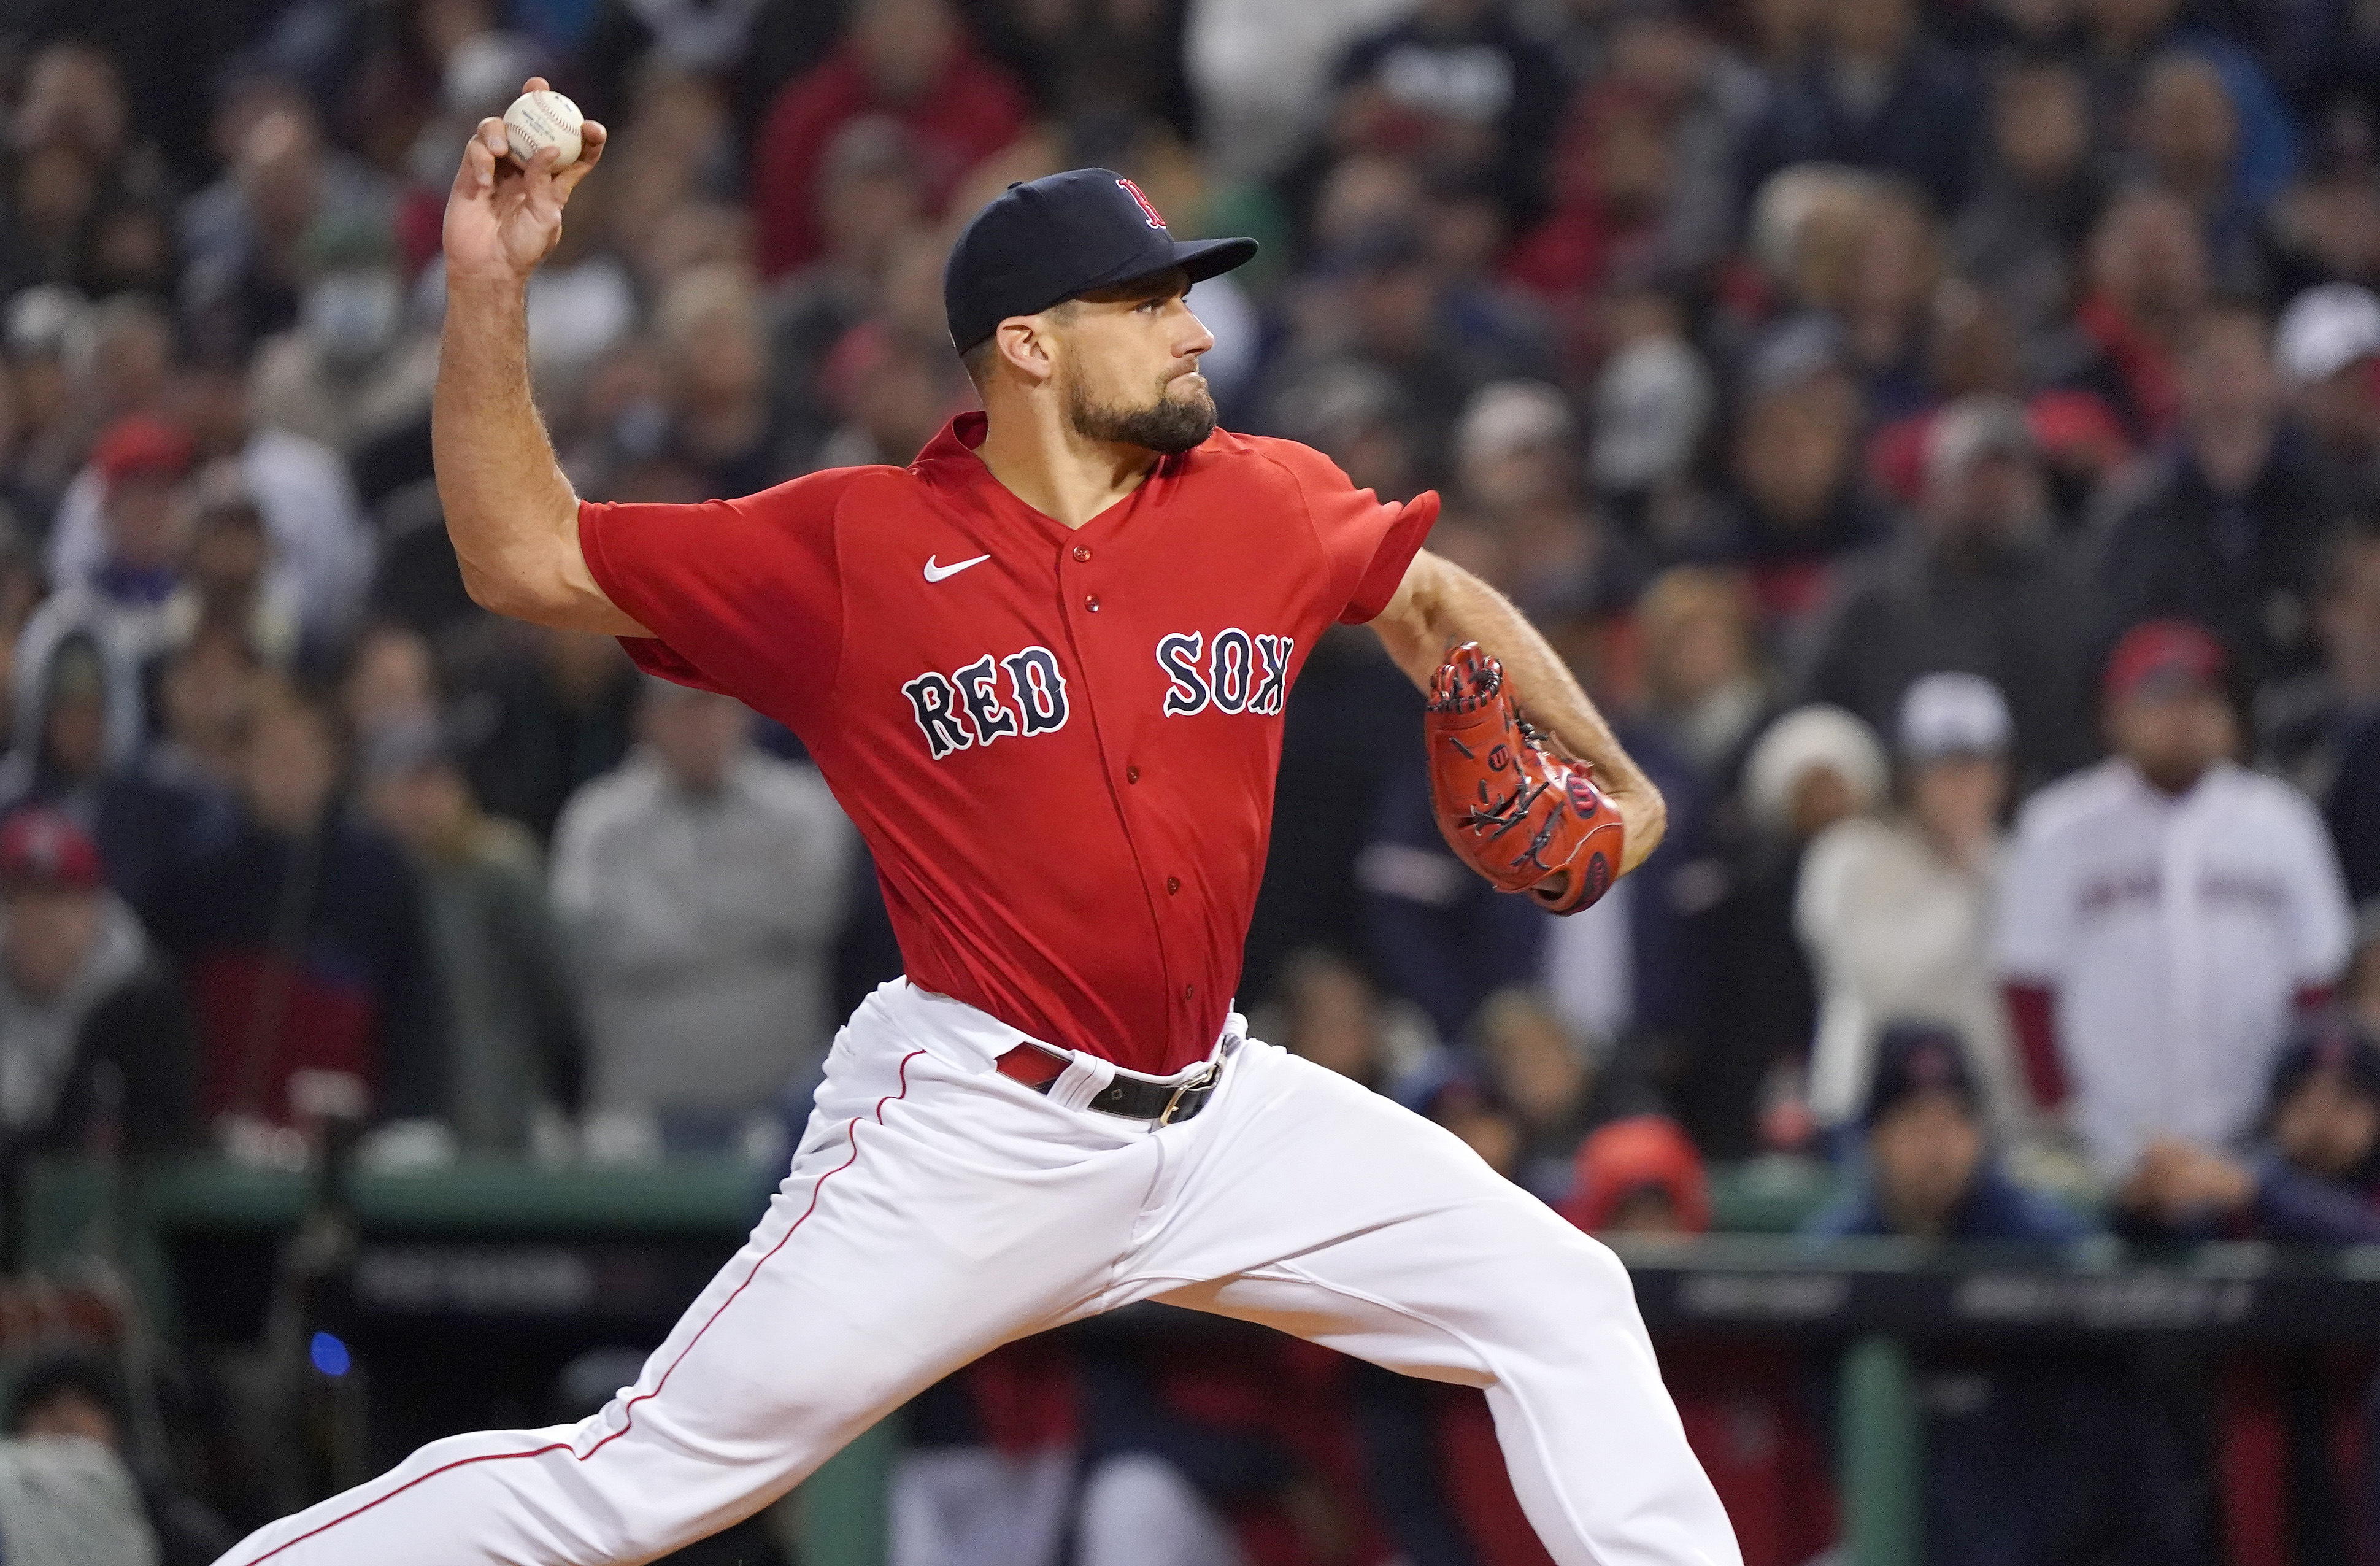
x=937 y=1209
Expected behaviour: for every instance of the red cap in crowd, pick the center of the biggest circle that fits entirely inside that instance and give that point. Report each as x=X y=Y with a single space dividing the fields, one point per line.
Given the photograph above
x=1642 y=1152
x=141 y=442
x=44 y=847
x=2170 y=654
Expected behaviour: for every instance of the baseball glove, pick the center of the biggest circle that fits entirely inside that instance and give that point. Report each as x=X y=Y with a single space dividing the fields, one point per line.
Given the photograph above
x=1510 y=807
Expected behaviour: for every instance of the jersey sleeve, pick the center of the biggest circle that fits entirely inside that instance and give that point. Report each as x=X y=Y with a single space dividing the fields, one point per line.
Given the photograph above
x=744 y=597
x=1366 y=542
x=2321 y=923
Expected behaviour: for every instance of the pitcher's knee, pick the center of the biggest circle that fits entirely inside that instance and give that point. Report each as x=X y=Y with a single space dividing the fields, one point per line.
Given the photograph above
x=1567 y=1288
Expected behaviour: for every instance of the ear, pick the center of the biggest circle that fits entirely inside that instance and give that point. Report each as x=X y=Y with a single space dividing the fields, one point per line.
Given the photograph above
x=1022 y=341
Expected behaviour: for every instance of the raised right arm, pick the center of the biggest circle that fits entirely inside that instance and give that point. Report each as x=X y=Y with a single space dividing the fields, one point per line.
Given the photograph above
x=509 y=510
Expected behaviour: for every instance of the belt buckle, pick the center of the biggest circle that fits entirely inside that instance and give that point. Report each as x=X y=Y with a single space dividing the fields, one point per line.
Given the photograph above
x=1205 y=1080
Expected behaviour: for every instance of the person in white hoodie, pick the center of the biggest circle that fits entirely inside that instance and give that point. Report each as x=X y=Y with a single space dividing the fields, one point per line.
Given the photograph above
x=1896 y=911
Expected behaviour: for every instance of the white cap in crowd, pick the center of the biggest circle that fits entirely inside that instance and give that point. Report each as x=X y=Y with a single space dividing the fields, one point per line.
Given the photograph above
x=1953 y=714
x=2325 y=329
x=1809 y=737
x=1976 y=426
x=1509 y=416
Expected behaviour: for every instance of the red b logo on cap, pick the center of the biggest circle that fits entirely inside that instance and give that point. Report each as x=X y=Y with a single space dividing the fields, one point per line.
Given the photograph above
x=1148 y=208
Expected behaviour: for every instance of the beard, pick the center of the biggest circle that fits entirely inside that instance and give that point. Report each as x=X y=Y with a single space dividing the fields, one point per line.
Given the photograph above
x=1168 y=423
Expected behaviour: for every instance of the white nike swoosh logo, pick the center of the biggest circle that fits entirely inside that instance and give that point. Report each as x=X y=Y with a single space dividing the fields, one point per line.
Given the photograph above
x=936 y=572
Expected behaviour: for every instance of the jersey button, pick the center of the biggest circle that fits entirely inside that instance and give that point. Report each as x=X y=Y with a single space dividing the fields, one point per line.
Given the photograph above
x=1173 y=885
x=1131 y=774
x=1091 y=603
x=1189 y=992
x=1082 y=551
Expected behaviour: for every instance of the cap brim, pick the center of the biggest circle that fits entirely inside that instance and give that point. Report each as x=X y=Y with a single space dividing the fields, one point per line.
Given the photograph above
x=1201 y=259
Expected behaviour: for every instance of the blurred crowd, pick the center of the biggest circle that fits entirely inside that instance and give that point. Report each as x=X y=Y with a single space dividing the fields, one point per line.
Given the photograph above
x=1944 y=435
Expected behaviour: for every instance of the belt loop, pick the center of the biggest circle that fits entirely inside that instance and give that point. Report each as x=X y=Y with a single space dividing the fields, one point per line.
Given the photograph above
x=1085 y=1078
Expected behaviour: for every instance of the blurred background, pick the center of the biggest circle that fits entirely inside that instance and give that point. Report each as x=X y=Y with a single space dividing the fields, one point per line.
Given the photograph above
x=1944 y=435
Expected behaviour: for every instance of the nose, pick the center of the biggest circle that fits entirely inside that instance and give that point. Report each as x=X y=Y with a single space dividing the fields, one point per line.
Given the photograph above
x=1198 y=341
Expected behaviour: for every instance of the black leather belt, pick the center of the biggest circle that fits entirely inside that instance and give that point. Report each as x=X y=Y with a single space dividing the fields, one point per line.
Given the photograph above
x=1131 y=1097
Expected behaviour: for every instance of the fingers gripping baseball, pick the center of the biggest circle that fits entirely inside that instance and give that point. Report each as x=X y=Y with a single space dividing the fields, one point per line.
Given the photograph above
x=1528 y=819
x=503 y=218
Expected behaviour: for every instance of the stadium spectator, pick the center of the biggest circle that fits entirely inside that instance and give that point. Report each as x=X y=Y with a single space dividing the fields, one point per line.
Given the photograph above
x=908 y=59
x=2321 y=729
x=2128 y=38
x=1458 y=86
x=1979 y=584
x=1329 y=1013
x=47 y=335
x=1516 y=455
x=391 y=682
x=1738 y=1082
x=1558 y=1087
x=2313 y=1175
x=2125 y=882
x=1639 y=1176
x=80 y=748
x=67 y=1499
x=1707 y=695
x=517 y=1046
x=228 y=582
x=699 y=887
x=869 y=195
x=143 y=524
x=2041 y=185
x=2226 y=529
x=540 y=714
x=1652 y=403
x=320 y=541
x=1379 y=302
x=2144 y=285
x=2185 y=141
x=1795 y=502
x=303 y=942
x=353 y=370
x=2328 y=348
x=74 y=1393
x=1876 y=93
x=97 y=1054
x=1896 y=911
x=204 y=694
x=244 y=236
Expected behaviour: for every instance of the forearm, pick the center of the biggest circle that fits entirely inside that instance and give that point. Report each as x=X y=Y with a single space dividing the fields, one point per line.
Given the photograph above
x=1441 y=606
x=508 y=507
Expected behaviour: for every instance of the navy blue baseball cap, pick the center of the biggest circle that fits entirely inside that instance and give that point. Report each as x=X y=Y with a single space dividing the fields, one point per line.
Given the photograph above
x=1050 y=239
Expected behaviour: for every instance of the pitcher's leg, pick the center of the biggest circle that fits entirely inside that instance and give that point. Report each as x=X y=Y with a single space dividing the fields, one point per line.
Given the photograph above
x=1401 y=1246
x=889 y=1257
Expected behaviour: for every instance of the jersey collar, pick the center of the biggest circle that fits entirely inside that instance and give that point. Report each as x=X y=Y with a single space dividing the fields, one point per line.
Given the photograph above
x=949 y=465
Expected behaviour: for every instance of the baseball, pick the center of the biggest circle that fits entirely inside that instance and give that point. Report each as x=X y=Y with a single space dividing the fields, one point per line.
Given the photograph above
x=538 y=120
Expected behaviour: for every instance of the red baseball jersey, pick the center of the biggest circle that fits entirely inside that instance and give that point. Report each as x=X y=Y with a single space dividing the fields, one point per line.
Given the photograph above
x=1059 y=743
